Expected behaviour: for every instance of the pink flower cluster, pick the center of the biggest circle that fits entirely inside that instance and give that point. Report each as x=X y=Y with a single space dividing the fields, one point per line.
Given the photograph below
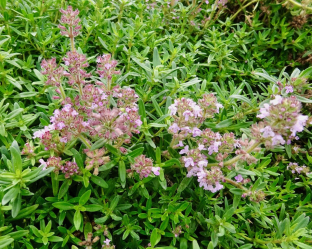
x=53 y=72
x=282 y=121
x=255 y=196
x=70 y=18
x=144 y=166
x=188 y=116
x=69 y=169
x=211 y=179
x=106 y=66
x=177 y=231
x=296 y=169
x=95 y=159
x=107 y=244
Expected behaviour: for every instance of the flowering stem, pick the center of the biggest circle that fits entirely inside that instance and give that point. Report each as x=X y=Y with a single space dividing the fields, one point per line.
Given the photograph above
x=234 y=16
x=235 y=159
x=84 y=140
x=72 y=41
x=260 y=241
x=62 y=91
x=236 y=184
x=299 y=5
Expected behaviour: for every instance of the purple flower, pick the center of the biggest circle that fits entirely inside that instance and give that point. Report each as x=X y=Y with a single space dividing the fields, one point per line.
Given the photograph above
x=185 y=150
x=300 y=123
x=43 y=163
x=181 y=144
x=239 y=178
x=277 y=139
x=264 y=112
x=174 y=128
x=138 y=122
x=188 y=161
x=156 y=170
x=173 y=109
x=187 y=114
x=201 y=147
x=218 y=106
x=214 y=147
x=196 y=132
x=267 y=132
x=107 y=241
x=289 y=89
x=202 y=163
x=278 y=99
x=63 y=139
x=67 y=107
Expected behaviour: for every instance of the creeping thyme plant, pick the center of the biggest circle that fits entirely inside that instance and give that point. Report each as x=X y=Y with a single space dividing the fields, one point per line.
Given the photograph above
x=155 y=124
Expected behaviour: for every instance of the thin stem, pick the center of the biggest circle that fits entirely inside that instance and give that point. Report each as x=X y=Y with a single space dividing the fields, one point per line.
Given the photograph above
x=234 y=16
x=84 y=140
x=299 y=5
x=235 y=159
x=236 y=184
x=62 y=92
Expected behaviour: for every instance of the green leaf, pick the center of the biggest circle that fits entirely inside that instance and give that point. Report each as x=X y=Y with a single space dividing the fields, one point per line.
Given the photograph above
x=142 y=111
x=184 y=183
x=107 y=166
x=237 y=191
x=122 y=173
x=136 y=152
x=77 y=219
x=93 y=207
x=195 y=244
x=6 y=242
x=25 y=212
x=302 y=245
x=155 y=237
x=63 y=205
x=64 y=188
x=87 y=229
x=112 y=149
x=98 y=144
x=84 y=198
x=16 y=159
x=210 y=245
x=13 y=114
x=78 y=158
x=16 y=205
x=156 y=58
x=303 y=99
x=55 y=239
x=99 y=181
x=241 y=98
x=10 y=195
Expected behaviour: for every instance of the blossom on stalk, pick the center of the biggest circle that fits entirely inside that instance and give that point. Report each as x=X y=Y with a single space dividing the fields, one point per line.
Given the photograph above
x=106 y=66
x=296 y=169
x=144 y=166
x=211 y=179
x=70 y=18
x=95 y=159
x=281 y=121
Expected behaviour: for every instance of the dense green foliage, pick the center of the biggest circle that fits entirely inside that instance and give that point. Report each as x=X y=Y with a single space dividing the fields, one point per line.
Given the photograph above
x=166 y=50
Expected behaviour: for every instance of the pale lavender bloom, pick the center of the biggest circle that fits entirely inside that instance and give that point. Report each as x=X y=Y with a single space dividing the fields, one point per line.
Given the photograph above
x=300 y=123
x=278 y=99
x=85 y=124
x=196 y=132
x=239 y=178
x=202 y=163
x=43 y=163
x=107 y=241
x=63 y=139
x=173 y=109
x=277 y=139
x=138 y=122
x=267 y=132
x=218 y=106
x=180 y=144
x=156 y=170
x=185 y=150
x=38 y=134
x=289 y=89
x=264 y=112
x=188 y=161
x=174 y=128
x=74 y=113
x=207 y=2
x=67 y=107
x=214 y=147
x=201 y=147
x=197 y=110
x=60 y=125
x=187 y=114
x=237 y=144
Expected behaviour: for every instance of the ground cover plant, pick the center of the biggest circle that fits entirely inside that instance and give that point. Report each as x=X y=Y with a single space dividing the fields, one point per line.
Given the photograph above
x=155 y=124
